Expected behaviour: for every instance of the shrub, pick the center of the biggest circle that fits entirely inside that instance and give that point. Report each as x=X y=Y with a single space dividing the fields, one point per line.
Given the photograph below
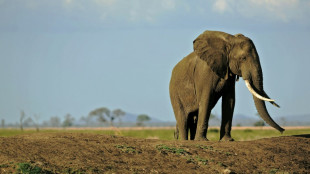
x=214 y=130
x=29 y=169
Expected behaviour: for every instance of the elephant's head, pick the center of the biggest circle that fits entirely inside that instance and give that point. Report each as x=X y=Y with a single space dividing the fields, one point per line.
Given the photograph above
x=236 y=54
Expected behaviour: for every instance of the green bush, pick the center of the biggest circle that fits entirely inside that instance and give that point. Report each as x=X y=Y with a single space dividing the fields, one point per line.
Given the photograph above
x=30 y=169
x=259 y=123
x=214 y=130
x=167 y=149
x=248 y=130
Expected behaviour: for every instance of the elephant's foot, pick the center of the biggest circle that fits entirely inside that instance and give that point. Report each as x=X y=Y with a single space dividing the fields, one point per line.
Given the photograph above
x=227 y=138
x=201 y=139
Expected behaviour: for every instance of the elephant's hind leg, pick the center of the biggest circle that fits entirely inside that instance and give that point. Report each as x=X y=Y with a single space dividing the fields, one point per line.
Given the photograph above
x=181 y=118
x=176 y=132
x=182 y=125
x=192 y=124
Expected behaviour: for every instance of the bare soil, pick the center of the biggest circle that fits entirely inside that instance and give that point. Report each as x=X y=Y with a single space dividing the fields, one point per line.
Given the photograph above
x=92 y=153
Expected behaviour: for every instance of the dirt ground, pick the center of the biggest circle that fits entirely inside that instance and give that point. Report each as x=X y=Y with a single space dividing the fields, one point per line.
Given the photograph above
x=92 y=153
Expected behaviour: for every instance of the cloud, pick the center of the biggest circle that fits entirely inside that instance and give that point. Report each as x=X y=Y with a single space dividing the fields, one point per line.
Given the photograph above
x=220 y=6
x=282 y=10
x=131 y=10
x=106 y=2
x=68 y=1
x=120 y=12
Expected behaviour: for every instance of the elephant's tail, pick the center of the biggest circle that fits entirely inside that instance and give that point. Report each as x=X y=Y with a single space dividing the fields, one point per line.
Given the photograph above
x=176 y=132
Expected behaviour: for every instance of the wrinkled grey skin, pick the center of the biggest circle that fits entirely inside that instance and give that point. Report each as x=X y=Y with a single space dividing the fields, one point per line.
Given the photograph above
x=200 y=79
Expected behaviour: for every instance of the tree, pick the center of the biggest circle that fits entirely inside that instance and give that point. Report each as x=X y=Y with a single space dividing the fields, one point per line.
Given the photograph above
x=2 y=123
x=104 y=113
x=212 y=116
x=142 y=118
x=68 y=121
x=117 y=113
x=36 y=122
x=214 y=120
x=28 y=122
x=283 y=120
x=259 y=123
x=21 y=119
x=100 y=113
x=55 y=121
x=86 y=120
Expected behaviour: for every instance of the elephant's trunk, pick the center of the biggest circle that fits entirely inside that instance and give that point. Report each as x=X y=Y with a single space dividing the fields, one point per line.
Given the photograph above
x=262 y=111
x=260 y=104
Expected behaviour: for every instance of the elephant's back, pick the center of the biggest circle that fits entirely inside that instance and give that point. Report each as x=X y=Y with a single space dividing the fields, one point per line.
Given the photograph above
x=182 y=86
x=185 y=67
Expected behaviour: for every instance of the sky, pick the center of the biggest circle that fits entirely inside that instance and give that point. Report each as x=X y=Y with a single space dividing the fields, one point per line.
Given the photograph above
x=73 y=56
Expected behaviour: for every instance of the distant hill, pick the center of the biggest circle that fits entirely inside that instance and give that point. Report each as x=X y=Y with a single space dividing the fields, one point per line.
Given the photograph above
x=243 y=120
x=130 y=120
x=297 y=120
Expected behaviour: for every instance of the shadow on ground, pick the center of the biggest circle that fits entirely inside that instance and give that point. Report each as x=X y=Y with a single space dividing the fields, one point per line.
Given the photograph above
x=302 y=135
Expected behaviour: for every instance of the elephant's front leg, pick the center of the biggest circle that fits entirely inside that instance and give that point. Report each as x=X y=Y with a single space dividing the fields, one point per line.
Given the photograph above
x=203 y=118
x=228 y=105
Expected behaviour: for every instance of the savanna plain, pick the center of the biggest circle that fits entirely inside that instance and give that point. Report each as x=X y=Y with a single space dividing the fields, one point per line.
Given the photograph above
x=153 y=150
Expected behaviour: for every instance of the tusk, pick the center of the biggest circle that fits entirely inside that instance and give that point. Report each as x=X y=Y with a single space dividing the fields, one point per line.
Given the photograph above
x=275 y=104
x=248 y=85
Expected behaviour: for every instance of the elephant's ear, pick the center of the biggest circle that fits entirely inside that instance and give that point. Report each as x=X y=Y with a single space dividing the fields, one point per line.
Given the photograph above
x=212 y=48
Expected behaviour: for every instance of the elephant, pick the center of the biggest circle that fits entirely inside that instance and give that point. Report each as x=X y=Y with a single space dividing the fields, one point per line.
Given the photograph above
x=210 y=72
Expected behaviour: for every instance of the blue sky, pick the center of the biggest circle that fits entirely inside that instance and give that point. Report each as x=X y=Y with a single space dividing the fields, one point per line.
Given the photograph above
x=72 y=56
